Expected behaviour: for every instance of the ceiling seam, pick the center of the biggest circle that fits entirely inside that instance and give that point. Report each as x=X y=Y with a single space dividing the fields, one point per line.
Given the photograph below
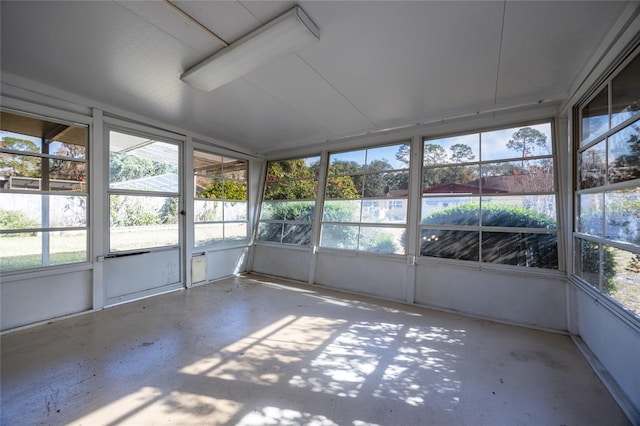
x=504 y=13
x=219 y=39
x=337 y=91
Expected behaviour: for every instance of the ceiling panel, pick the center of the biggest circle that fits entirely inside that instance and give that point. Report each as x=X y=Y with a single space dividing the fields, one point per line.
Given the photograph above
x=399 y=61
x=259 y=121
x=546 y=44
x=293 y=82
x=377 y=63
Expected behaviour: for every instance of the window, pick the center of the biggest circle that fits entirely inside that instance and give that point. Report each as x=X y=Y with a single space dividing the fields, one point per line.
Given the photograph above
x=366 y=193
x=220 y=205
x=289 y=200
x=490 y=197
x=43 y=192
x=144 y=192
x=607 y=226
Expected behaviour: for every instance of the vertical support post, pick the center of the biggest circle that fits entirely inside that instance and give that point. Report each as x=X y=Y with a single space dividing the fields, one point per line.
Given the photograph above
x=98 y=225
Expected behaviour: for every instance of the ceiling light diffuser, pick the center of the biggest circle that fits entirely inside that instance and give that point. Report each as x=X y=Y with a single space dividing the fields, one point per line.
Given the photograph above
x=276 y=39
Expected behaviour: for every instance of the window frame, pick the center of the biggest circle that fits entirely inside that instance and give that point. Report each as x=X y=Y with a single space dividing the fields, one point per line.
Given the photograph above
x=603 y=243
x=290 y=222
x=64 y=119
x=224 y=242
x=479 y=228
x=162 y=137
x=360 y=224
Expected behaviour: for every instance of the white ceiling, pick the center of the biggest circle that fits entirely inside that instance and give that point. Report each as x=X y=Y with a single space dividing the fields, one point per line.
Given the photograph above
x=377 y=64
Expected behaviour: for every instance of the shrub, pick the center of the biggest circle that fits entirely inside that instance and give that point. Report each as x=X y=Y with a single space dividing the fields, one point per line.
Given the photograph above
x=512 y=248
x=10 y=219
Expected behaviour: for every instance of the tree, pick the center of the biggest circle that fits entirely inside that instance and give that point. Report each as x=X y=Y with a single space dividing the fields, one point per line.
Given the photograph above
x=434 y=154
x=526 y=140
x=20 y=165
x=124 y=167
x=461 y=152
x=225 y=190
x=290 y=180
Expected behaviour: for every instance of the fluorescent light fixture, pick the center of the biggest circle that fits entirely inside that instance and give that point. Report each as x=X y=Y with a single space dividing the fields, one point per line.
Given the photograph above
x=276 y=39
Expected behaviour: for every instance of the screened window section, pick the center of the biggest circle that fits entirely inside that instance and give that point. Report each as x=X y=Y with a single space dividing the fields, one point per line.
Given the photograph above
x=607 y=226
x=289 y=201
x=43 y=192
x=366 y=193
x=144 y=192
x=220 y=205
x=490 y=197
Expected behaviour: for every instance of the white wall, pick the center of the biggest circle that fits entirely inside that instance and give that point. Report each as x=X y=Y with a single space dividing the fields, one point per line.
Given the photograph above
x=282 y=262
x=615 y=344
x=536 y=300
x=29 y=299
x=364 y=273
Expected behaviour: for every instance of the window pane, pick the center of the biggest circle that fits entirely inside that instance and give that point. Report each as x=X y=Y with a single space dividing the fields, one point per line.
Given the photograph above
x=456 y=179
x=339 y=236
x=208 y=187
x=591 y=214
x=516 y=142
x=235 y=231
x=384 y=211
x=347 y=162
x=381 y=240
x=463 y=245
x=392 y=184
x=235 y=210
x=207 y=211
x=625 y=93
x=341 y=211
x=344 y=187
x=142 y=164
x=624 y=285
x=624 y=154
x=451 y=211
x=297 y=234
x=623 y=215
x=143 y=222
x=456 y=149
x=67 y=247
x=67 y=176
x=20 y=211
x=592 y=166
x=208 y=233
x=434 y=154
x=278 y=190
x=521 y=249
x=207 y=164
x=20 y=172
x=595 y=117
x=303 y=189
x=20 y=251
x=388 y=157
x=529 y=211
x=298 y=168
x=62 y=149
x=588 y=261
x=519 y=176
x=273 y=210
x=270 y=232
x=24 y=211
x=67 y=210
x=234 y=190
x=300 y=210
x=24 y=251
x=18 y=141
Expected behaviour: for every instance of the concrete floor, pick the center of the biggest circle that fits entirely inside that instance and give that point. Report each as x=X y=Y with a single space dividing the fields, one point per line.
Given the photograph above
x=251 y=351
